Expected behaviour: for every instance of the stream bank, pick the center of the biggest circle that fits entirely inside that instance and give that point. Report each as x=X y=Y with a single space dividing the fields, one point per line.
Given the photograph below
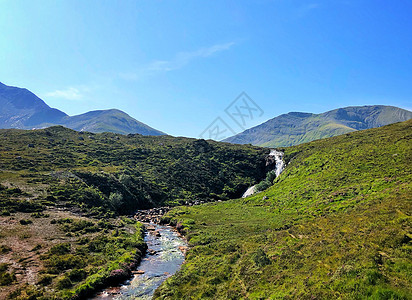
x=165 y=255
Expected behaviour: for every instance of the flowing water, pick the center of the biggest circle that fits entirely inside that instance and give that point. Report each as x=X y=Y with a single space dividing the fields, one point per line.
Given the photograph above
x=280 y=164
x=157 y=267
x=279 y=167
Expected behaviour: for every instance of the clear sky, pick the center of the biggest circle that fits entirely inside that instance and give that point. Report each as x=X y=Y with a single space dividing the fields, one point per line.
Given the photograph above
x=176 y=65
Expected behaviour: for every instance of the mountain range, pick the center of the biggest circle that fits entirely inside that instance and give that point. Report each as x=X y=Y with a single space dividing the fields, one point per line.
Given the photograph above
x=20 y=108
x=297 y=127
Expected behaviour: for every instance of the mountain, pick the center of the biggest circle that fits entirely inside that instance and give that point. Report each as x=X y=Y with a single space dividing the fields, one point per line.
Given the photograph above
x=111 y=120
x=297 y=127
x=20 y=108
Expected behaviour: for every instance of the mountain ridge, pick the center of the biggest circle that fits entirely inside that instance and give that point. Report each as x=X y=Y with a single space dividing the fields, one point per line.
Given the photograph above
x=297 y=127
x=22 y=109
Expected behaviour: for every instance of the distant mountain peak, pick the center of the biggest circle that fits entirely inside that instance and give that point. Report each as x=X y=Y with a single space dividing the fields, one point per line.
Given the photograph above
x=298 y=127
x=20 y=108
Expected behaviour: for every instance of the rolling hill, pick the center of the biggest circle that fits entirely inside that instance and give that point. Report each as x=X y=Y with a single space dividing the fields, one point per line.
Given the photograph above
x=336 y=224
x=296 y=127
x=20 y=108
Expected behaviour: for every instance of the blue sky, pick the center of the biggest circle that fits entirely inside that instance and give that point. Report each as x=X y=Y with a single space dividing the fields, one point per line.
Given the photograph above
x=176 y=65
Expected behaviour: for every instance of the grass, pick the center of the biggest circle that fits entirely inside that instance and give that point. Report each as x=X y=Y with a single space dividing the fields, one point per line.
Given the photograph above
x=335 y=225
x=64 y=194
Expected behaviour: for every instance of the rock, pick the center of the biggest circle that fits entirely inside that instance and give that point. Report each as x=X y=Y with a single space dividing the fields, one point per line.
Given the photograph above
x=119 y=274
x=138 y=272
x=151 y=251
x=157 y=233
x=182 y=248
x=150 y=228
x=179 y=227
x=265 y=198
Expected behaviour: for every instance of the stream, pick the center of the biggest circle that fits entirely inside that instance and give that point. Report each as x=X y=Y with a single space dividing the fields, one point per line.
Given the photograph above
x=163 y=258
x=165 y=252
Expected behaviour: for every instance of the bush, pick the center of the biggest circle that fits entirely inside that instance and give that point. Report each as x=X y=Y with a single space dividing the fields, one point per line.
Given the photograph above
x=5 y=277
x=77 y=275
x=60 y=249
x=63 y=283
x=45 y=279
x=39 y=215
x=116 y=201
x=25 y=222
x=263 y=185
x=4 y=249
x=260 y=258
x=271 y=176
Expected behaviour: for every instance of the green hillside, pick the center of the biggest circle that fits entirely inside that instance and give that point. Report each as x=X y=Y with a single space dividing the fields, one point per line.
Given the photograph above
x=336 y=224
x=144 y=171
x=63 y=194
x=296 y=128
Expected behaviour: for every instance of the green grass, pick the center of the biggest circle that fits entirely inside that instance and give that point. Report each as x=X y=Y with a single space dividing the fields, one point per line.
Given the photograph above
x=335 y=225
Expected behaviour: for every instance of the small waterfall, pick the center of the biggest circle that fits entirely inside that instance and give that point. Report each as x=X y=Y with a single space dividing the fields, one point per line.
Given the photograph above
x=279 y=167
x=280 y=164
x=249 y=192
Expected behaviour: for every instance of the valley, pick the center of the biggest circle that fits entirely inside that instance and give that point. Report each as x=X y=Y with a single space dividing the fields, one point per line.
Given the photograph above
x=205 y=150
x=66 y=196
x=335 y=223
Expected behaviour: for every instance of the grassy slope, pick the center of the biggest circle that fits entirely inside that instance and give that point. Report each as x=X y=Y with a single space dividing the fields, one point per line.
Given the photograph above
x=336 y=224
x=65 y=189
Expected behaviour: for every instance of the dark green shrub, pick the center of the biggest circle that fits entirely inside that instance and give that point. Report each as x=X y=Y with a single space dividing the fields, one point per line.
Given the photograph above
x=4 y=249
x=263 y=185
x=60 y=249
x=39 y=215
x=77 y=275
x=6 y=278
x=45 y=279
x=260 y=258
x=25 y=222
x=63 y=283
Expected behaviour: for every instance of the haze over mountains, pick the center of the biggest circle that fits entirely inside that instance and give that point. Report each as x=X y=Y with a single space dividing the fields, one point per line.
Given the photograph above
x=297 y=127
x=20 y=108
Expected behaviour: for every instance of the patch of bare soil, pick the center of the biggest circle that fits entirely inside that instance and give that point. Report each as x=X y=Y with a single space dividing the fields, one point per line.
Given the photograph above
x=27 y=243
